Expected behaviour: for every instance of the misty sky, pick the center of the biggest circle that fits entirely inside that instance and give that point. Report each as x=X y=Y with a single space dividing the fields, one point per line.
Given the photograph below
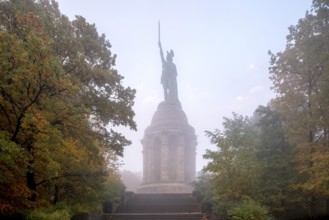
x=220 y=53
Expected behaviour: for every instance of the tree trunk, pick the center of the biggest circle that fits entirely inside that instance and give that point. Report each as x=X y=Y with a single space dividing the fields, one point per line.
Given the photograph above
x=327 y=207
x=56 y=194
x=30 y=181
x=30 y=178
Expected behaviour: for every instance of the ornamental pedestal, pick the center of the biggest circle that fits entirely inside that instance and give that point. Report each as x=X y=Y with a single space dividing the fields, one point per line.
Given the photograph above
x=169 y=146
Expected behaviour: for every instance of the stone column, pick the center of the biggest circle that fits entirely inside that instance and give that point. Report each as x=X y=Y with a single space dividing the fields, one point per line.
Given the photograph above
x=194 y=144
x=165 y=158
x=145 y=162
x=190 y=161
x=180 y=159
x=150 y=155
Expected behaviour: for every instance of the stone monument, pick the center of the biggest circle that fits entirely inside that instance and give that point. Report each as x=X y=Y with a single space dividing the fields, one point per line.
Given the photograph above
x=169 y=143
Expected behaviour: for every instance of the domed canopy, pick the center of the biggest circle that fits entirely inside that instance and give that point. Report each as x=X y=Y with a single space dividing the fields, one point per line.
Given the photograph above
x=169 y=116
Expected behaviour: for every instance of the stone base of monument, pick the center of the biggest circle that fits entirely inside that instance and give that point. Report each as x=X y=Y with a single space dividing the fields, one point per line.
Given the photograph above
x=159 y=188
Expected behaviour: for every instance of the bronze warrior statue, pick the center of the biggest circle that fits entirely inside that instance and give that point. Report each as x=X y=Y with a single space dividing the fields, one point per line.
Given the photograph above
x=169 y=74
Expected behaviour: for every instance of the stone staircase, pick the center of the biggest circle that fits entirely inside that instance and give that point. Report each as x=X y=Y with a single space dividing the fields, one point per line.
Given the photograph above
x=159 y=203
x=152 y=206
x=158 y=206
x=146 y=216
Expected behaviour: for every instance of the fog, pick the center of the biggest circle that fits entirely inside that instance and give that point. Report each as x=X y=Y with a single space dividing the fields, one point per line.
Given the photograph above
x=220 y=52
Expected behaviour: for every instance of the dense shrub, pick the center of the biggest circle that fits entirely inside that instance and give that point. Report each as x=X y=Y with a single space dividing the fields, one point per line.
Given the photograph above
x=56 y=213
x=248 y=210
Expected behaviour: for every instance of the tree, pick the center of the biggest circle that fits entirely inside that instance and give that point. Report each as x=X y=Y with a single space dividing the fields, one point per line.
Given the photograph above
x=300 y=77
x=202 y=187
x=12 y=158
x=249 y=210
x=60 y=99
x=231 y=167
x=274 y=161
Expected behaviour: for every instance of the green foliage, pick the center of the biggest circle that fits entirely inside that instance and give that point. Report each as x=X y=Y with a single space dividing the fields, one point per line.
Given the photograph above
x=11 y=155
x=58 y=212
x=203 y=187
x=301 y=79
x=113 y=190
x=12 y=163
x=253 y=162
x=274 y=160
x=232 y=166
x=60 y=101
x=280 y=157
x=248 y=210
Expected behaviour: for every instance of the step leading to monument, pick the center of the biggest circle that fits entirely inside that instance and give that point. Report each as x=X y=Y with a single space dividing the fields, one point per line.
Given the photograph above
x=153 y=216
x=165 y=188
x=159 y=203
